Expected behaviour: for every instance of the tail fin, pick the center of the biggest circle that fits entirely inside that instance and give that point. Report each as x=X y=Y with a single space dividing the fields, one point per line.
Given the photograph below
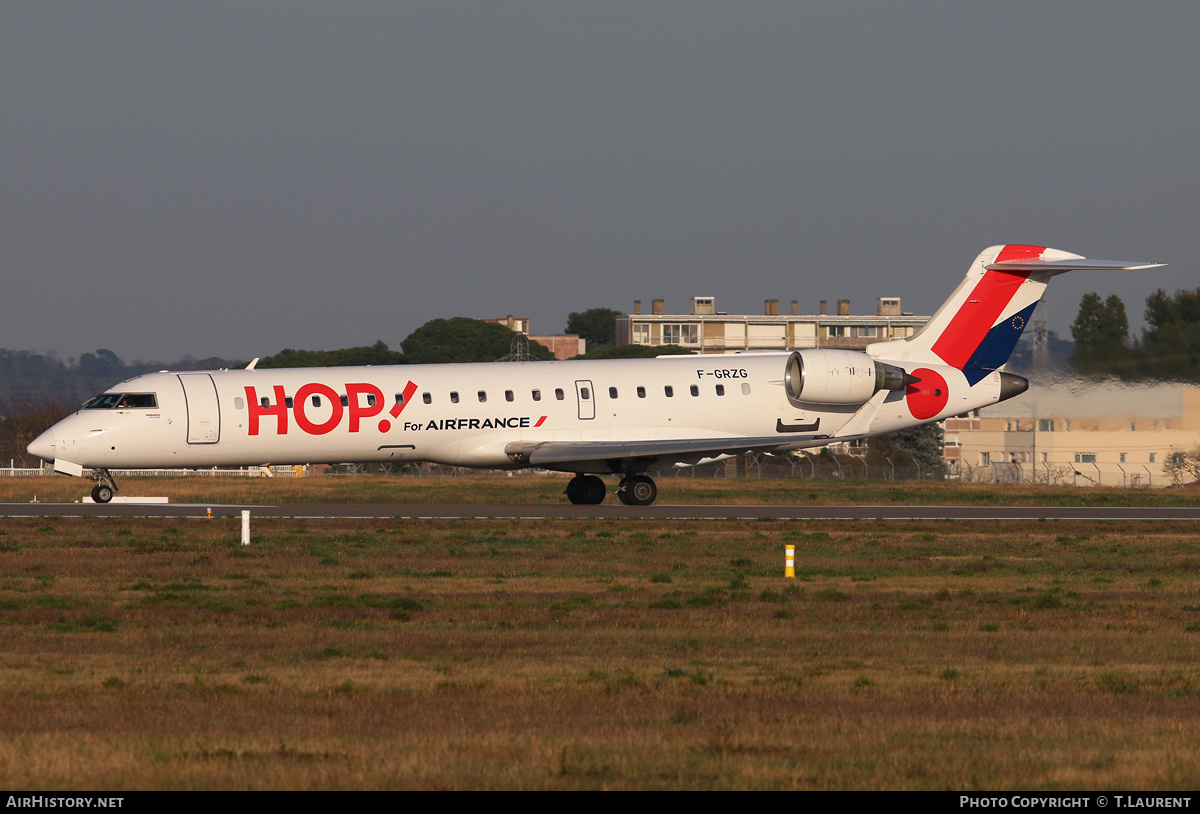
x=977 y=328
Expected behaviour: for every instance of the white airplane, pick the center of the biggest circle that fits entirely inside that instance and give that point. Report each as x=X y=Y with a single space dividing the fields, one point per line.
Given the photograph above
x=616 y=417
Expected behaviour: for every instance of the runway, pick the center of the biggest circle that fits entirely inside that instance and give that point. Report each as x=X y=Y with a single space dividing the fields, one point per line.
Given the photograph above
x=451 y=511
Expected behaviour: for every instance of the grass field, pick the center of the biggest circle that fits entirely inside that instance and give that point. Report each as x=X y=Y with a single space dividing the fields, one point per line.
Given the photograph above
x=554 y=654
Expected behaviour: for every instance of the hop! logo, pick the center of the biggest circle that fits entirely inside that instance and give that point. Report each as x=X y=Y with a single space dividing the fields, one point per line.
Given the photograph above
x=318 y=409
x=363 y=401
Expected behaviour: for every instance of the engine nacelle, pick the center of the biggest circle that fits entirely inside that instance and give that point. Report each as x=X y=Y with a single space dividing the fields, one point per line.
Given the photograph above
x=838 y=377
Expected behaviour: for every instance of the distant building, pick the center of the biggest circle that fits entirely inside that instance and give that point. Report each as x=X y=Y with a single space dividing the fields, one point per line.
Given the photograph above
x=1079 y=432
x=563 y=346
x=708 y=330
x=518 y=324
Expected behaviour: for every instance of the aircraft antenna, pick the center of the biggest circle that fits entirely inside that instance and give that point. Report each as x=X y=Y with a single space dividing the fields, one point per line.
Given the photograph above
x=518 y=350
x=1041 y=335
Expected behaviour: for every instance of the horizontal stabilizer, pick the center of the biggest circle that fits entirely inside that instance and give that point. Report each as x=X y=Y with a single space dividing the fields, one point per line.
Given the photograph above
x=1072 y=264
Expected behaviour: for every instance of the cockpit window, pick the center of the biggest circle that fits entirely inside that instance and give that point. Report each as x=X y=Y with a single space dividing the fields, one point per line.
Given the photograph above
x=104 y=401
x=121 y=401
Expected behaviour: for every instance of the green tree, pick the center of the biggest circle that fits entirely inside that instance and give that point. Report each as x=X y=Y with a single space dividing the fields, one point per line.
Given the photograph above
x=27 y=375
x=634 y=352
x=377 y=354
x=1170 y=346
x=103 y=363
x=442 y=341
x=597 y=325
x=1100 y=331
x=1164 y=310
x=920 y=445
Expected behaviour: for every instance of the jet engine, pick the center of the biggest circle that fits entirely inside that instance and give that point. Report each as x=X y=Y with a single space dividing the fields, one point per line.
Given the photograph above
x=838 y=377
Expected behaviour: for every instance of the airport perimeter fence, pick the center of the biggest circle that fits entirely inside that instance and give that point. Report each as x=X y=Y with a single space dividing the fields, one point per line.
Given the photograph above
x=818 y=466
x=1047 y=474
x=821 y=465
x=240 y=472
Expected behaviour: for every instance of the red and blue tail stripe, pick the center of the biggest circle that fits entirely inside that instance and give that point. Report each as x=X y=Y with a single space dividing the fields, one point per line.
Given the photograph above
x=975 y=341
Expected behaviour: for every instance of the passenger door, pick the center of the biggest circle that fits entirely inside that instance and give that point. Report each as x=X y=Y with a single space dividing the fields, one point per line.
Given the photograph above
x=586 y=395
x=203 y=410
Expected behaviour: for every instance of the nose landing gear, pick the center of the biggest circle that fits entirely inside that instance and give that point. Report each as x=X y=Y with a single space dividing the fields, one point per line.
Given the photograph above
x=105 y=486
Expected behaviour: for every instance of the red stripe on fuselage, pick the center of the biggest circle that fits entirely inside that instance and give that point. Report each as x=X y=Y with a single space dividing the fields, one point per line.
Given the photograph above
x=984 y=304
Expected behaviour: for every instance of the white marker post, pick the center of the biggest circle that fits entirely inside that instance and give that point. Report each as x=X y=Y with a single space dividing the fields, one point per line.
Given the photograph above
x=245 y=527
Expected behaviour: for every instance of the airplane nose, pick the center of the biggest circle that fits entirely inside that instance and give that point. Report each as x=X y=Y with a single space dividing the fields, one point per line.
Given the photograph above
x=43 y=446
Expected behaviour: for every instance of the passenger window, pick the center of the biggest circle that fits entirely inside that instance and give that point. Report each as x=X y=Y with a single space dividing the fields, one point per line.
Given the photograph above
x=482 y=396
x=288 y=402
x=316 y=401
x=508 y=395
x=612 y=392
x=558 y=393
x=720 y=389
x=425 y=397
x=454 y=397
x=695 y=390
x=399 y=398
x=370 y=400
x=745 y=388
x=584 y=393
x=669 y=391
x=238 y=403
x=265 y=402
x=641 y=391
x=537 y=395
x=345 y=400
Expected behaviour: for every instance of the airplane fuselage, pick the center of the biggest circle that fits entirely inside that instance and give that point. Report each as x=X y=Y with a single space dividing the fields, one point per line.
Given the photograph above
x=468 y=414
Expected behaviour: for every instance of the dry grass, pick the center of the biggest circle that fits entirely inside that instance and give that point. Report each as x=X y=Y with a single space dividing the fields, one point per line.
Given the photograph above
x=541 y=488
x=592 y=654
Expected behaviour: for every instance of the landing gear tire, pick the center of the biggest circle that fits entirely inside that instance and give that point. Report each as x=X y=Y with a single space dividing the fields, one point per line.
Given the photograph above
x=637 y=490
x=586 y=490
x=105 y=486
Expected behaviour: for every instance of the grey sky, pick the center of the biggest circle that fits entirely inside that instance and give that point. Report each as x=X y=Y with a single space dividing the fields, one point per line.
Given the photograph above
x=232 y=178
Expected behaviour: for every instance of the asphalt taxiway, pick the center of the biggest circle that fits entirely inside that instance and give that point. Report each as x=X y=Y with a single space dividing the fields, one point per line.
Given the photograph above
x=449 y=511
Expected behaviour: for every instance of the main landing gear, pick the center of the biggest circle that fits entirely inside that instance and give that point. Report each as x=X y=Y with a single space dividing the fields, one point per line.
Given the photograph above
x=633 y=490
x=105 y=486
x=585 y=490
x=637 y=490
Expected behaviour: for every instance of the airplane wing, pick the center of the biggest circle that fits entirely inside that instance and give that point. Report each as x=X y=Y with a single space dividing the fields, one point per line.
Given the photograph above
x=623 y=456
